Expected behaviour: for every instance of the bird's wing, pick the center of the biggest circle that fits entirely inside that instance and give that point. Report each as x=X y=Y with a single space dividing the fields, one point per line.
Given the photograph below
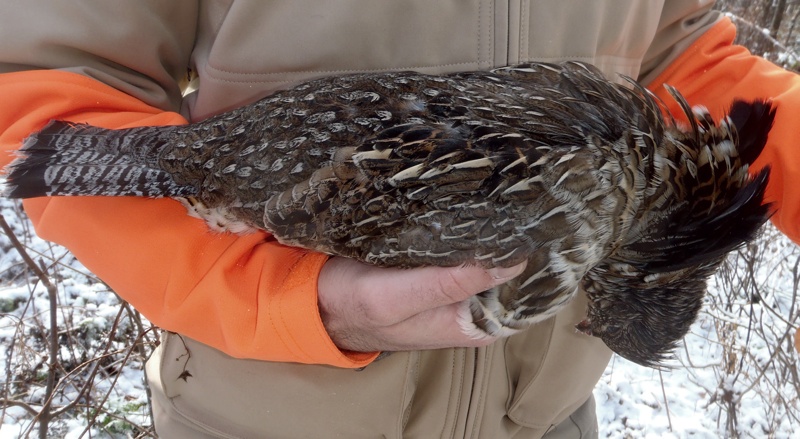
x=415 y=194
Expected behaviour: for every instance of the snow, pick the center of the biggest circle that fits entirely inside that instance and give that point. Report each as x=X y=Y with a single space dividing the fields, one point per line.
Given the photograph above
x=95 y=336
x=733 y=376
x=727 y=374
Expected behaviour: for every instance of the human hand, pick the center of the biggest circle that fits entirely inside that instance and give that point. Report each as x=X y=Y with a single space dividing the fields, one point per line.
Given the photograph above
x=366 y=308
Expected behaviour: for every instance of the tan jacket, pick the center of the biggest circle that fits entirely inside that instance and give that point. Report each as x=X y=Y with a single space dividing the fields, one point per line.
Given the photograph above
x=239 y=51
x=243 y=50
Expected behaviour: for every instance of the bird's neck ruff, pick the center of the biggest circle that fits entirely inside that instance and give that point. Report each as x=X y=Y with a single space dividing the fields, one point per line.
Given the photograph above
x=699 y=202
x=703 y=202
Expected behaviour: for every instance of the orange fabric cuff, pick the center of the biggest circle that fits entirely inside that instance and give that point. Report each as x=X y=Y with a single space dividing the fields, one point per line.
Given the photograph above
x=248 y=295
x=713 y=72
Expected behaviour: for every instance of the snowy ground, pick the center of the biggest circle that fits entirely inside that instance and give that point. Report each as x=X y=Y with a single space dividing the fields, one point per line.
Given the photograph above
x=100 y=365
x=736 y=377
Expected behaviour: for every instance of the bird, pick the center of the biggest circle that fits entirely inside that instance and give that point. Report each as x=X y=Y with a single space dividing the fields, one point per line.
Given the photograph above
x=592 y=182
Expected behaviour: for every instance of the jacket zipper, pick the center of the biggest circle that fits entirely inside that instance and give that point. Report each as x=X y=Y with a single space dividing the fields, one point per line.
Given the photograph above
x=476 y=392
x=510 y=13
x=514 y=31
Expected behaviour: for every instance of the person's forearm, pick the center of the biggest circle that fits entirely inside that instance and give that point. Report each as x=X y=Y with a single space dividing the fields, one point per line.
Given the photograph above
x=246 y=295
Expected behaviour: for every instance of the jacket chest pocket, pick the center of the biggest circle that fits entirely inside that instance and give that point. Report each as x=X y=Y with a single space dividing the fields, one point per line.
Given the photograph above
x=252 y=49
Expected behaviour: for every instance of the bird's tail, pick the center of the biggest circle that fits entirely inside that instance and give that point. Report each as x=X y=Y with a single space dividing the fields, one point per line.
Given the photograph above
x=74 y=159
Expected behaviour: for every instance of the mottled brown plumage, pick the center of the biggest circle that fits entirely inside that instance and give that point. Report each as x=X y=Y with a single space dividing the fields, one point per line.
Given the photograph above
x=552 y=164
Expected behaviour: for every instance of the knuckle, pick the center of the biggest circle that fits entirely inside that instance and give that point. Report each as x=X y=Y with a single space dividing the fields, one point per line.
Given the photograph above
x=456 y=285
x=374 y=311
x=370 y=307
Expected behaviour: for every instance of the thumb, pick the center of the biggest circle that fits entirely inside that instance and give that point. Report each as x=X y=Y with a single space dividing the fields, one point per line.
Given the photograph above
x=412 y=291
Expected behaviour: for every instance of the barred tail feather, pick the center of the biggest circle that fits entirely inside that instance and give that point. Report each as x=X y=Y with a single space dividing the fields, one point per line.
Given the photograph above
x=69 y=159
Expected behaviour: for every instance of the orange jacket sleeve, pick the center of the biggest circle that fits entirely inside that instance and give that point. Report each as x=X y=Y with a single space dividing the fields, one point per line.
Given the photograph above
x=712 y=72
x=245 y=295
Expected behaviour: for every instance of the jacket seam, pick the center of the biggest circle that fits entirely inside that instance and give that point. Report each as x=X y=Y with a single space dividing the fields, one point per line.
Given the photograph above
x=545 y=354
x=210 y=70
x=460 y=394
x=478 y=56
x=412 y=374
x=698 y=45
x=522 y=46
x=488 y=353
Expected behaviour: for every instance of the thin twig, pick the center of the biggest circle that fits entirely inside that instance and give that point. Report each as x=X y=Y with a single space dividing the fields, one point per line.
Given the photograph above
x=16 y=403
x=666 y=402
x=44 y=415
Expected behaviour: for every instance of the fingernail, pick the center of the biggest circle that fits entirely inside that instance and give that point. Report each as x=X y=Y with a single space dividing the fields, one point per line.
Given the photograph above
x=506 y=273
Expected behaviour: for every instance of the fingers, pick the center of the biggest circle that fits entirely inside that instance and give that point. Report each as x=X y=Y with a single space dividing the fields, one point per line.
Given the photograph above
x=402 y=293
x=433 y=329
x=369 y=308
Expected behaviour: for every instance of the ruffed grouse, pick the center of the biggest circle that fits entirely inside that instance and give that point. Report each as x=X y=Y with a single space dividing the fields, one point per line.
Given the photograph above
x=550 y=163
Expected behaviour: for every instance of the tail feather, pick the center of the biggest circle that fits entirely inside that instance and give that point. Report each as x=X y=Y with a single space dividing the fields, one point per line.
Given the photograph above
x=69 y=159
